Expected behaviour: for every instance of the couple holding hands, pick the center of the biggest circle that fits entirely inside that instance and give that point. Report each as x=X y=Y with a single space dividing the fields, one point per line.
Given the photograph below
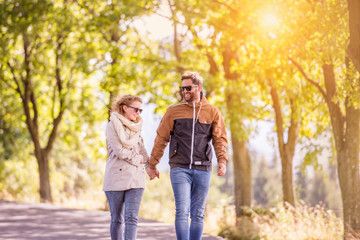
x=189 y=126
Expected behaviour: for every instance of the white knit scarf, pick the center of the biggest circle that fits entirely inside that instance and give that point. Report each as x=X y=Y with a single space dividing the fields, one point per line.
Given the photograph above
x=119 y=121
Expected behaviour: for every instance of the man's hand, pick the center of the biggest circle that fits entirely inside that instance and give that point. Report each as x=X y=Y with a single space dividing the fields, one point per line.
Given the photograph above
x=221 y=169
x=153 y=173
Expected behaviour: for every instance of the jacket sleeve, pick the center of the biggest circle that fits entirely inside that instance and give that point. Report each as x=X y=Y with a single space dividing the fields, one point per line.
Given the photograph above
x=119 y=150
x=162 y=139
x=144 y=153
x=219 y=138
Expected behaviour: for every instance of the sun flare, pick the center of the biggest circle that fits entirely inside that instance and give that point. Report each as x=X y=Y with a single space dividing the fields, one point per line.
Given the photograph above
x=269 y=21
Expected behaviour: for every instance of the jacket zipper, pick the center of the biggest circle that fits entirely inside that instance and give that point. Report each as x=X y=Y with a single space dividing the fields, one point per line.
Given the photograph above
x=192 y=138
x=193 y=133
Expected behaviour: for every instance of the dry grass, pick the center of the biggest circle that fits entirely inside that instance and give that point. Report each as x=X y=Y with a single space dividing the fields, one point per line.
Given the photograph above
x=300 y=223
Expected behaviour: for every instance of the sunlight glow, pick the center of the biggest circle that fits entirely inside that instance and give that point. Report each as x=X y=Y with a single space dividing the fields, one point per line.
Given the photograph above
x=270 y=20
x=269 y=23
x=156 y=26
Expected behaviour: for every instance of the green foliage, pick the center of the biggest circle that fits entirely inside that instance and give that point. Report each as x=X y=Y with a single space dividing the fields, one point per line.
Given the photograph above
x=19 y=177
x=311 y=157
x=13 y=134
x=43 y=59
x=124 y=59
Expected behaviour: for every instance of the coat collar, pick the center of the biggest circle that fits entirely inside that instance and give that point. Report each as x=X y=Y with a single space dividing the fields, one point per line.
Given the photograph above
x=203 y=101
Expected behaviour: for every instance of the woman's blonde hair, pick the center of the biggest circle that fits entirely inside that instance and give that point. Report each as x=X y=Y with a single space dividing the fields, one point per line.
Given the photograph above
x=119 y=101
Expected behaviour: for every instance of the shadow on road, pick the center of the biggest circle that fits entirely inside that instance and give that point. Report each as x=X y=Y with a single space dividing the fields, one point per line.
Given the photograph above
x=45 y=221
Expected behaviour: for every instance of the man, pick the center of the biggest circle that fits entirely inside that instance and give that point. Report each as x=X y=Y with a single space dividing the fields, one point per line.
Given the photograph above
x=190 y=126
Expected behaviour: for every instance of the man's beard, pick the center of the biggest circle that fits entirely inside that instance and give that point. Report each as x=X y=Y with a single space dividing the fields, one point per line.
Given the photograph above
x=191 y=98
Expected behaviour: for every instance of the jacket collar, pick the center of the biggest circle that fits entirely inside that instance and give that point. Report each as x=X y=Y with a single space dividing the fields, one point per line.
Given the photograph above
x=203 y=101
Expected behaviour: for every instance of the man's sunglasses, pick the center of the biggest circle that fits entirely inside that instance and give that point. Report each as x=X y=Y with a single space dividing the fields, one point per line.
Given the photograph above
x=137 y=110
x=187 y=88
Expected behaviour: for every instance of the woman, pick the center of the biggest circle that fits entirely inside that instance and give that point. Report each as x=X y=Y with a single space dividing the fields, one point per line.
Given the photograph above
x=124 y=179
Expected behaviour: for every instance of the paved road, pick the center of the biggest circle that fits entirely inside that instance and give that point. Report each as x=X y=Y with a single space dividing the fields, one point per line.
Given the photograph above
x=45 y=221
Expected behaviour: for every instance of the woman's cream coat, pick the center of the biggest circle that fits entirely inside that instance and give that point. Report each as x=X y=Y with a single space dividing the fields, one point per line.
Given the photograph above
x=123 y=168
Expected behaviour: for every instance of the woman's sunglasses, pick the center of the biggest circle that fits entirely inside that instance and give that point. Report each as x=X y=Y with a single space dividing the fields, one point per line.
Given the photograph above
x=137 y=110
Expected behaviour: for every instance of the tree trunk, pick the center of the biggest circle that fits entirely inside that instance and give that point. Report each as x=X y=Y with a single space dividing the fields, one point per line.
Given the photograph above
x=287 y=179
x=177 y=41
x=241 y=162
x=44 y=178
x=348 y=171
x=241 y=158
x=346 y=132
x=353 y=50
x=242 y=174
x=349 y=168
x=287 y=149
x=25 y=89
x=42 y=157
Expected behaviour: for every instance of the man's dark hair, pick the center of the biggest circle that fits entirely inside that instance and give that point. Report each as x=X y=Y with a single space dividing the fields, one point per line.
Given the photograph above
x=194 y=76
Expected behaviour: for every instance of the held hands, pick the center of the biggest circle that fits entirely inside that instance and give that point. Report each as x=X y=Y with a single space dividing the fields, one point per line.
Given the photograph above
x=153 y=173
x=221 y=169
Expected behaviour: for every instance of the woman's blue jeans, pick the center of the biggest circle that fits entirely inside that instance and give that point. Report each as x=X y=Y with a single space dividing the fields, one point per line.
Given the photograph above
x=124 y=205
x=190 y=188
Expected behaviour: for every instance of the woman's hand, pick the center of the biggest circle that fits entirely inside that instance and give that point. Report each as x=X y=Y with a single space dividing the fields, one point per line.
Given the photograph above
x=153 y=173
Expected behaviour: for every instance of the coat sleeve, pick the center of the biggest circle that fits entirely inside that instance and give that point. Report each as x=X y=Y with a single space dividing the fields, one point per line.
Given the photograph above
x=144 y=153
x=119 y=150
x=219 y=138
x=162 y=139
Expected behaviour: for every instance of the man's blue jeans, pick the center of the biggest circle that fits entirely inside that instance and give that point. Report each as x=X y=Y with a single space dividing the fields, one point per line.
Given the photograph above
x=190 y=188
x=124 y=204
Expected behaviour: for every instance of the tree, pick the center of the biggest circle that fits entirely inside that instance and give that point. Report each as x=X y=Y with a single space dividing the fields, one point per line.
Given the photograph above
x=224 y=58
x=15 y=147
x=286 y=148
x=290 y=98
x=340 y=90
x=122 y=55
x=346 y=133
x=354 y=28
x=40 y=56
